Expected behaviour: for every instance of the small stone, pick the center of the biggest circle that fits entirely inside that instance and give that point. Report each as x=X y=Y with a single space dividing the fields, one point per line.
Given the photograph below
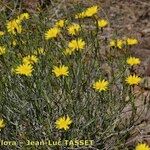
x=146 y=83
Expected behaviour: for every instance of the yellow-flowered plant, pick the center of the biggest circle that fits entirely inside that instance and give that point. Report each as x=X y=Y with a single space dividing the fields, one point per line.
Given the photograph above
x=60 y=23
x=74 y=29
x=30 y=59
x=102 y=23
x=62 y=70
x=80 y=15
x=119 y=43
x=78 y=44
x=14 y=26
x=132 y=41
x=52 y=33
x=24 y=69
x=23 y=16
x=2 y=50
x=40 y=90
x=89 y=12
x=133 y=80
x=100 y=85
x=142 y=146
x=133 y=61
x=112 y=43
x=2 y=124
x=63 y=122
x=69 y=51
x=2 y=33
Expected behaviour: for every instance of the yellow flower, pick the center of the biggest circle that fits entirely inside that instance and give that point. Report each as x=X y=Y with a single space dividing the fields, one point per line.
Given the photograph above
x=112 y=43
x=87 y=13
x=2 y=50
x=63 y=122
x=52 y=33
x=39 y=51
x=23 y=16
x=2 y=33
x=14 y=26
x=142 y=146
x=73 y=29
x=2 y=124
x=120 y=43
x=76 y=44
x=60 y=23
x=133 y=61
x=117 y=43
x=80 y=15
x=30 y=59
x=68 y=51
x=101 y=85
x=133 y=80
x=60 y=71
x=24 y=69
x=132 y=41
x=102 y=23
x=91 y=11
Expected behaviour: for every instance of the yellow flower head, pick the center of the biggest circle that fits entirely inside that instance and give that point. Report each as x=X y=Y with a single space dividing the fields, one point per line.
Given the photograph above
x=2 y=33
x=80 y=15
x=120 y=43
x=2 y=124
x=60 y=71
x=39 y=51
x=133 y=61
x=91 y=11
x=102 y=23
x=2 y=50
x=112 y=43
x=52 y=33
x=117 y=43
x=76 y=44
x=30 y=59
x=142 y=146
x=14 y=26
x=132 y=41
x=73 y=29
x=68 y=51
x=63 y=122
x=101 y=85
x=60 y=23
x=133 y=80
x=23 y=16
x=24 y=69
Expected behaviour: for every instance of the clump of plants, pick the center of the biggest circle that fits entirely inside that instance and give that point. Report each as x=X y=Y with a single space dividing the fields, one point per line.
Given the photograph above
x=62 y=80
